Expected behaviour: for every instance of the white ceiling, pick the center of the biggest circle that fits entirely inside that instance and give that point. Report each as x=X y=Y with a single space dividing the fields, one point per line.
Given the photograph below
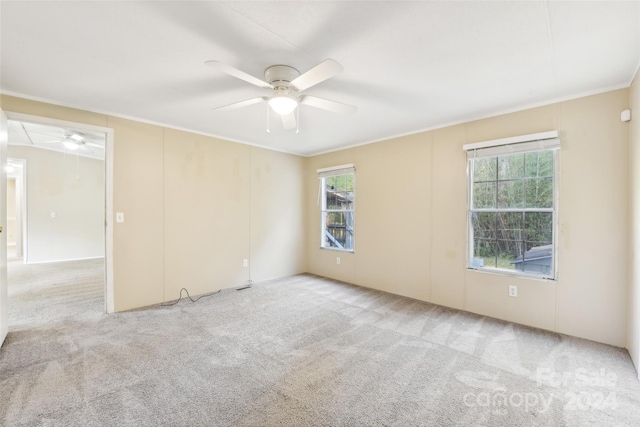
x=408 y=66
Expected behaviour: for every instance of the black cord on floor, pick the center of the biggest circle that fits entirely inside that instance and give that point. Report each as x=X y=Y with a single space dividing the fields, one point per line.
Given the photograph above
x=189 y=296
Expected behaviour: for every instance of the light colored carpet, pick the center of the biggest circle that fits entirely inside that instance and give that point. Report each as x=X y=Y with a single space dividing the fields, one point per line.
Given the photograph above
x=299 y=351
x=42 y=294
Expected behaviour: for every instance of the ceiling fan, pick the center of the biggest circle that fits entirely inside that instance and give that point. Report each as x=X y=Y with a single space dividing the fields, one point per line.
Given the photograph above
x=286 y=85
x=73 y=141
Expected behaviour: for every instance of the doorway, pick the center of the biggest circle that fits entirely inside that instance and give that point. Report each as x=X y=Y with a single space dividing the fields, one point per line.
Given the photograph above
x=16 y=224
x=59 y=198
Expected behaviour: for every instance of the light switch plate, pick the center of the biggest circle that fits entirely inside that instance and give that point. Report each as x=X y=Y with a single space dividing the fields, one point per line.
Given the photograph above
x=119 y=216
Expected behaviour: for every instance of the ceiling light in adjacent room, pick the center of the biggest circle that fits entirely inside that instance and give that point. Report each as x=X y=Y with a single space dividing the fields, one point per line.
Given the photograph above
x=76 y=137
x=71 y=145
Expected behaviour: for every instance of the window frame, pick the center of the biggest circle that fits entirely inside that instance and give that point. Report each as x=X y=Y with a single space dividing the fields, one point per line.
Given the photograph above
x=553 y=276
x=323 y=174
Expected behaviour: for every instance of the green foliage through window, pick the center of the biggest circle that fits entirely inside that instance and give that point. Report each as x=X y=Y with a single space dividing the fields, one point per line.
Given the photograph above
x=511 y=212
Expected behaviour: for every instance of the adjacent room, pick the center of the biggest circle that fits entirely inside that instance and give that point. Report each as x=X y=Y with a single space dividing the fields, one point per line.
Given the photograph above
x=320 y=213
x=55 y=220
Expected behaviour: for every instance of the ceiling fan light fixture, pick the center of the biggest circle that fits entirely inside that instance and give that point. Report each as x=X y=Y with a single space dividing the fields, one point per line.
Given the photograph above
x=283 y=104
x=76 y=137
x=71 y=145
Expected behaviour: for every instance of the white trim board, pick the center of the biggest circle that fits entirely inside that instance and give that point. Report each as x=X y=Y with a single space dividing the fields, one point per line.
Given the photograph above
x=511 y=140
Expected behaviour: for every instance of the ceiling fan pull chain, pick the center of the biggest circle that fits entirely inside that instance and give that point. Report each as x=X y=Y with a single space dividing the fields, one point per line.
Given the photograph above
x=268 y=119
x=298 y=119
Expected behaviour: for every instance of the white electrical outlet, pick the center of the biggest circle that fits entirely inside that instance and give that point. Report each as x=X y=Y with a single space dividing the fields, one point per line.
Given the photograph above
x=245 y=263
x=338 y=260
x=513 y=291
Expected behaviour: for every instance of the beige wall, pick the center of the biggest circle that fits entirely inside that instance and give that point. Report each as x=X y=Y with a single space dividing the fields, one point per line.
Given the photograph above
x=411 y=220
x=278 y=216
x=206 y=205
x=73 y=189
x=138 y=192
x=633 y=339
x=194 y=207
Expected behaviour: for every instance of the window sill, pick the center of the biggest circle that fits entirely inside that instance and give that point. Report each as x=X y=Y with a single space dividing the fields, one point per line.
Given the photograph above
x=338 y=249
x=509 y=273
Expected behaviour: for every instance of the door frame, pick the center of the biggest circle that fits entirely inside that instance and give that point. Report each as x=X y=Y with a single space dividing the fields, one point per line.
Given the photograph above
x=4 y=295
x=20 y=177
x=108 y=180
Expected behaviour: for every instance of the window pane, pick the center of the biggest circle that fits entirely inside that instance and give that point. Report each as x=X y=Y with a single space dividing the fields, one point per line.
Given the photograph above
x=538 y=228
x=509 y=226
x=485 y=169
x=340 y=192
x=520 y=241
x=484 y=225
x=508 y=253
x=335 y=219
x=484 y=195
x=484 y=253
x=516 y=263
x=539 y=193
x=510 y=194
x=338 y=230
x=539 y=164
x=509 y=233
x=510 y=167
x=538 y=259
x=331 y=182
x=339 y=182
x=349 y=220
x=349 y=183
x=342 y=200
x=332 y=199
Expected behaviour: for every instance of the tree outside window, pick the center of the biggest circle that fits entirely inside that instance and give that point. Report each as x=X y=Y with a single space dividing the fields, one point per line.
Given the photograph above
x=512 y=212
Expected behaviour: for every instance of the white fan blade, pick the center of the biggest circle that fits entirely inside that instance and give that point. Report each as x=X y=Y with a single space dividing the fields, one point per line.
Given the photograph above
x=241 y=104
x=289 y=121
x=321 y=72
x=325 y=104
x=234 y=72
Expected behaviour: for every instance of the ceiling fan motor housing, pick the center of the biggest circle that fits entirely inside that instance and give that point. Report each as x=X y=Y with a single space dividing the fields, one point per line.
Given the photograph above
x=280 y=76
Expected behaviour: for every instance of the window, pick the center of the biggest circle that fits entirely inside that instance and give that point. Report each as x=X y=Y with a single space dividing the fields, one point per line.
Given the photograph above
x=512 y=200
x=337 y=188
